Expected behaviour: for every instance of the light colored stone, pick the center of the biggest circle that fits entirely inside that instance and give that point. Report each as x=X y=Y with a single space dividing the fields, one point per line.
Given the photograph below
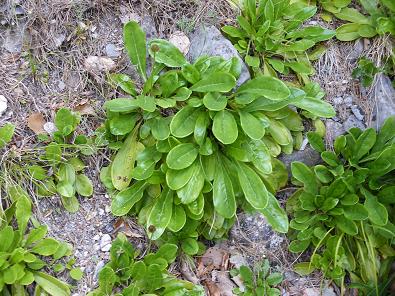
x=348 y=101
x=383 y=97
x=357 y=112
x=96 y=64
x=112 y=51
x=209 y=41
x=98 y=267
x=334 y=128
x=181 y=41
x=258 y=231
x=3 y=104
x=338 y=101
x=49 y=127
x=105 y=243
x=352 y=121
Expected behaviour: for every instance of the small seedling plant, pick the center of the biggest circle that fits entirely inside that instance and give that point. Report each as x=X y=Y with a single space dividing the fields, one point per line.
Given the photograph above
x=54 y=166
x=24 y=253
x=126 y=274
x=344 y=208
x=191 y=149
x=270 y=37
x=258 y=281
x=376 y=18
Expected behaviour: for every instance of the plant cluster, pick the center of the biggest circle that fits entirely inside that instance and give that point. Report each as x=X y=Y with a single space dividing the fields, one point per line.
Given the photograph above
x=53 y=168
x=24 y=254
x=344 y=208
x=270 y=36
x=193 y=149
x=127 y=275
x=378 y=18
x=258 y=281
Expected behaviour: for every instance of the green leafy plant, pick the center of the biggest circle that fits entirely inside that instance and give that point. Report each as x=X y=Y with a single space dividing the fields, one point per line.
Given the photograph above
x=377 y=18
x=365 y=71
x=56 y=167
x=24 y=253
x=127 y=275
x=270 y=37
x=191 y=150
x=258 y=281
x=344 y=209
x=6 y=134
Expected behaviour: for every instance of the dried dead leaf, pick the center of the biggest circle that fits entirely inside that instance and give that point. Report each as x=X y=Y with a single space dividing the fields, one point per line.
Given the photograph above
x=217 y=258
x=123 y=226
x=187 y=271
x=212 y=288
x=85 y=108
x=223 y=282
x=36 y=123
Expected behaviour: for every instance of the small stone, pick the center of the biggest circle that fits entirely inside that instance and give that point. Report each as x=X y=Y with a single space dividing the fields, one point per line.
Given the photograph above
x=101 y=212
x=348 y=101
x=19 y=10
x=334 y=129
x=3 y=104
x=50 y=127
x=61 y=85
x=304 y=144
x=96 y=64
x=59 y=39
x=105 y=243
x=357 y=112
x=308 y=156
x=181 y=41
x=96 y=237
x=338 y=101
x=112 y=51
x=352 y=121
x=98 y=267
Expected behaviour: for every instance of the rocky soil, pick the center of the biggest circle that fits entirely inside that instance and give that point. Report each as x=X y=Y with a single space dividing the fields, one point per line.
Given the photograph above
x=57 y=54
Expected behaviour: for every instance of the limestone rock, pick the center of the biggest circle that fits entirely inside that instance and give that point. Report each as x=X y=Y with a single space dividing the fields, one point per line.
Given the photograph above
x=384 y=100
x=209 y=41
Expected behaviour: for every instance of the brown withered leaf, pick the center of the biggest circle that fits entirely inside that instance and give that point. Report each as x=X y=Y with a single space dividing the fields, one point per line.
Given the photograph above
x=123 y=226
x=212 y=288
x=85 y=108
x=36 y=122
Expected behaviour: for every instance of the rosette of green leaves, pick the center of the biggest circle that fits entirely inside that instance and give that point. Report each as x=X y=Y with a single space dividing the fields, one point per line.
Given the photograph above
x=259 y=281
x=60 y=169
x=199 y=150
x=345 y=206
x=129 y=276
x=377 y=18
x=270 y=38
x=22 y=251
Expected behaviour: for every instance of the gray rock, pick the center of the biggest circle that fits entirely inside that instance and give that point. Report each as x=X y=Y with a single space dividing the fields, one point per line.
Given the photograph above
x=209 y=41
x=308 y=156
x=348 y=101
x=352 y=121
x=148 y=25
x=254 y=228
x=14 y=39
x=99 y=267
x=105 y=243
x=383 y=97
x=112 y=51
x=338 y=101
x=357 y=50
x=357 y=112
x=334 y=128
x=3 y=104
